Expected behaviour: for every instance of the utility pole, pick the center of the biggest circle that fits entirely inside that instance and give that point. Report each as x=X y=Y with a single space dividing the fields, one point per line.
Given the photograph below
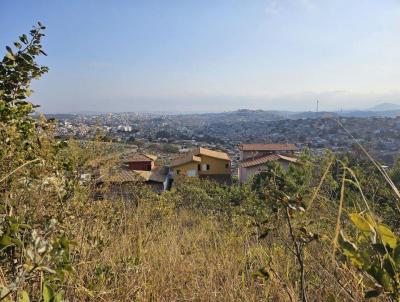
x=317 y=105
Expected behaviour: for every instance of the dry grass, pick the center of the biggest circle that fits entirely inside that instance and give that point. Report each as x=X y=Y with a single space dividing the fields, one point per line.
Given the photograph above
x=154 y=253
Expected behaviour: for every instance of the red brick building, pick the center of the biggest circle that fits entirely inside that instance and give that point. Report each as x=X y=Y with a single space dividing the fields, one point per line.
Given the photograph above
x=141 y=162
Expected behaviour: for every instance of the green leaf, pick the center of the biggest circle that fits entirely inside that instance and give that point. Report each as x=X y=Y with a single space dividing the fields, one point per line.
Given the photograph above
x=17 y=242
x=389 y=265
x=58 y=298
x=10 y=56
x=350 y=251
x=24 y=297
x=48 y=293
x=381 y=276
x=380 y=248
x=5 y=241
x=360 y=222
x=8 y=48
x=24 y=39
x=372 y=294
x=387 y=235
x=370 y=219
x=396 y=255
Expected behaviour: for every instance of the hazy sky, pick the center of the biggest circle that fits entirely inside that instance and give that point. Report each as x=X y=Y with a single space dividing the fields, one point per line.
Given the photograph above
x=212 y=55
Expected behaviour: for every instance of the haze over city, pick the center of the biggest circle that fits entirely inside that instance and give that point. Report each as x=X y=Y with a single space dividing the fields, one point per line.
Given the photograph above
x=188 y=56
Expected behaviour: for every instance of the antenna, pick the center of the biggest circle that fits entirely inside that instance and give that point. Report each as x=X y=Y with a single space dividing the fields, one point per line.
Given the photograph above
x=317 y=105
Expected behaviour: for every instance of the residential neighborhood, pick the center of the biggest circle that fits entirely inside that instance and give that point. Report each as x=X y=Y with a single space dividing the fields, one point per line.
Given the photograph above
x=166 y=134
x=133 y=168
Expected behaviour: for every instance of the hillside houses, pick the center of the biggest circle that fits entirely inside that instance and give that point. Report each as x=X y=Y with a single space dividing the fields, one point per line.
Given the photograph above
x=254 y=158
x=136 y=168
x=202 y=163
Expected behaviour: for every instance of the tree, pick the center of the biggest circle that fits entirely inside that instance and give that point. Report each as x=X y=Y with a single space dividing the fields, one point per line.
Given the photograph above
x=28 y=258
x=17 y=69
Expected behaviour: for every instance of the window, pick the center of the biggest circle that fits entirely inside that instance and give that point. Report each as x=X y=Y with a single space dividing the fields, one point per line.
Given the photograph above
x=192 y=173
x=204 y=167
x=227 y=166
x=198 y=167
x=178 y=171
x=208 y=167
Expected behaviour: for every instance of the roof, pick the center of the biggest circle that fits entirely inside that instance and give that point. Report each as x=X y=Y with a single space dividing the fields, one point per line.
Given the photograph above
x=120 y=177
x=140 y=157
x=211 y=153
x=181 y=160
x=98 y=161
x=267 y=147
x=265 y=159
x=158 y=174
x=193 y=156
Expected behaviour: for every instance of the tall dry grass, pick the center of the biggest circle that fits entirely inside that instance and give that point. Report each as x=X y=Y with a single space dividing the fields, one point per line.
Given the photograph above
x=155 y=253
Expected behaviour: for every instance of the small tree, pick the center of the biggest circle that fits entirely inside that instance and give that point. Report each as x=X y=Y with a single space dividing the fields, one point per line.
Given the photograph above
x=33 y=254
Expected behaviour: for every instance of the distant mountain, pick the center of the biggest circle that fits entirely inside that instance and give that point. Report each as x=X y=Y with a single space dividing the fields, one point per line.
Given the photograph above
x=385 y=107
x=311 y=114
x=370 y=113
x=242 y=115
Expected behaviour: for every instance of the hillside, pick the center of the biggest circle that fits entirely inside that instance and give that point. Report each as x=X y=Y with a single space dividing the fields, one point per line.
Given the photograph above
x=385 y=107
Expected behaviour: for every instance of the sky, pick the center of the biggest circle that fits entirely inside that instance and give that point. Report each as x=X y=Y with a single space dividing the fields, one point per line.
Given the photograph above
x=211 y=55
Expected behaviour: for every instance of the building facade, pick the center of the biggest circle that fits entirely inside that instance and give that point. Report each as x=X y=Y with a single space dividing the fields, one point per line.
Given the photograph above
x=140 y=162
x=255 y=158
x=202 y=163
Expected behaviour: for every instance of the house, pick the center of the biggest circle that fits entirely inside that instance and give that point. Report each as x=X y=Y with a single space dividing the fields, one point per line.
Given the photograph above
x=121 y=182
x=159 y=178
x=255 y=158
x=140 y=162
x=132 y=169
x=255 y=150
x=202 y=163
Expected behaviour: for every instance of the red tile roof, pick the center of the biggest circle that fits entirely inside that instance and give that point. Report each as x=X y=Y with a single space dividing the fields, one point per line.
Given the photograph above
x=139 y=157
x=211 y=153
x=181 y=160
x=267 y=147
x=158 y=174
x=193 y=155
x=265 y=159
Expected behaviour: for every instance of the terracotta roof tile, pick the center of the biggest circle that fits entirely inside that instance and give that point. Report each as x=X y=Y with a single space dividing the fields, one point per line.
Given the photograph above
x=184 y=159
x=211 y=153
x=140 y=157
x=265 y=159
x=193 y=155
x=158 y=174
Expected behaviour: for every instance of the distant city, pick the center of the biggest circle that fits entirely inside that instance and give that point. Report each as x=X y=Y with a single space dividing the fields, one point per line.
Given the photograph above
x=377 y=129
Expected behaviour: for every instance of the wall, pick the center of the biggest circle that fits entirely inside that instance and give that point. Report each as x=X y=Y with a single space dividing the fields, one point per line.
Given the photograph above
x=217 y=166
x=140 y=165
x=246 y=173
x=185 y=168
